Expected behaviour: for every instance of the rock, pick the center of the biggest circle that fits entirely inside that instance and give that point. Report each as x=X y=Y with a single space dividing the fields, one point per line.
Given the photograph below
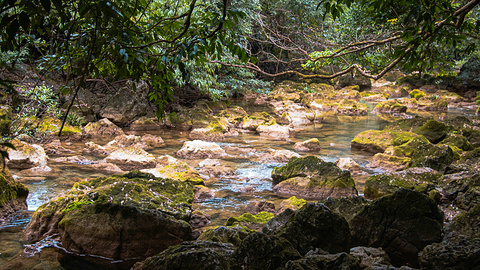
x=249 y=221
x=96 y=150
x=319 y=259
x=128 y=103
x=468 y=199
x=26 y=155
x=234 y=116
x=210 y=133
x=278 y=156
x=458 y=141
x=368 y=256
x=437 y=157
x=260 y=206
x=232 y=234
x=261 y=251
x=178 y=171
x=13 y=195
x=5 y=119
x=55 y=148
x=253 y=121
x=313 y=226
x=389 y=107
x=312 y=178
x=199 y=219
x=402 y=224
x=275 y=131
x=339 y=107
x=460 y=248
x=102 y=128
x=203 y=193
x=152 y=141
x=389 y=163
x=291 y=203
x=131 y=159
x=347 y=207
x=419 y=179
x=310 y=145
x=200 y=149
x=376 y=141
x=107 y=167
x=215 y=169
x=350 y=165
x=200 y=255
x=123 y=216
x=455 y=184
x=433 y=130
x=145 y=124
x=348 y=80
x=50 y=127
x=416 y=94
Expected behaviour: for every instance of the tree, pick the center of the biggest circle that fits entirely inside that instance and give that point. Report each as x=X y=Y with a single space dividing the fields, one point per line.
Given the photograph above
x=360 y=36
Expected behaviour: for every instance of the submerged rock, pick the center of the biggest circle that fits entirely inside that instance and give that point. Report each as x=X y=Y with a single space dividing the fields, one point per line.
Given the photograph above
x=402 y=224
x=124 y=216
x=312 y=226
x=312 y=178
x=200 y=255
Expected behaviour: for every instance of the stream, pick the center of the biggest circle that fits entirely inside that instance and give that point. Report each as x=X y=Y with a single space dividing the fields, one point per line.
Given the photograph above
x=232 y=194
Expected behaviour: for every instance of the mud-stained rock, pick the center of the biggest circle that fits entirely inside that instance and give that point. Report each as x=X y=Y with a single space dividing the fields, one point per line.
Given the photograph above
x=311 y=145
x=419 y=179
x=201 y=255
x=102 y=128
x=402 y=224
x=460 y=248
x=313 y=226
x=312 y=178
x=131 y=159
x=319 y=259
x=276 y=131
x=13 y=195
x=26 y=156
x=263 y=252
x=200 y=150
x=124 y=216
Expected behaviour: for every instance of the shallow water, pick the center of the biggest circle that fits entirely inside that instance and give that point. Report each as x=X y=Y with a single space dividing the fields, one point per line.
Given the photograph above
x=251 y=183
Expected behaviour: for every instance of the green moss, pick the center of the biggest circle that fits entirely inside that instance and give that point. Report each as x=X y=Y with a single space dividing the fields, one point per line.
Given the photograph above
x=50 y=125
x=417 y=94
x=76 y=205
x=379 y=140
x=252 y=222
x=10 y=189
x=5 y=119
x=408 y=148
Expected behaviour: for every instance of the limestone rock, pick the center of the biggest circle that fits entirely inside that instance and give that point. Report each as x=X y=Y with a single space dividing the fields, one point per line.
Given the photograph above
x=131 y=159
x=179 y=171
x=26 y=156
x=200 y=149
x=310 y=145
x=275 y=131
x=102 y=128
x=13 y=195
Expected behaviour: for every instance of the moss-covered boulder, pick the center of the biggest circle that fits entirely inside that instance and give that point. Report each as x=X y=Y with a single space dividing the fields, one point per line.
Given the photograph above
x=417 y=94
x=13 y=195
x=312 y=226
x=402 y=224
x=124 y=216
x=292 y=203
x=347 y=207
x=201 y=255
x=49 y=126
x=319 y=259
x=179 y=171
x=233 y=115
x=250 y=221
x=212 y=133
x=260 y=251
x=226 y=234
x=460 y=248
x=432 y=156
x=433 y=130
x=252 y=122
x=472 y=134
x=376 y=141
x=390 y=107
x=26 y=156
x=418 y=179
x=5 y=120
x=312 y=178
x=457 y=141
x=102 y=128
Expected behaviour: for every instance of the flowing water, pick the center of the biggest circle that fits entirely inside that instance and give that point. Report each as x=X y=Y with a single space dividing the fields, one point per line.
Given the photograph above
x=232 y=194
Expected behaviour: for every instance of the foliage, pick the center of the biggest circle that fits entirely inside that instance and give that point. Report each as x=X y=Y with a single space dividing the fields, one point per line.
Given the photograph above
x=38 y=101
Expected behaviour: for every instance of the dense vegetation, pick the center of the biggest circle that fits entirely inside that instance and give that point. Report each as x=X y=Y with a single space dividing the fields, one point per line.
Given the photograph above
x=221 y=47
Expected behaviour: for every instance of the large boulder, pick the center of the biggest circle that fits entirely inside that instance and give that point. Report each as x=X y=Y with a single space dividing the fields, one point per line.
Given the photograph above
x=377 y=141
x=312 y=178
x=200 y=255
x=102 y=128
x=131 y=158
x=460 y=248
x=312 y=226
x=26 y=156
x=120 y=217
x=200 y=150
x=128 y=103
x=433 y=130
x=263 y=252
x=13 y=195
x=418 y=179
x=402 y=224
x=225 y=234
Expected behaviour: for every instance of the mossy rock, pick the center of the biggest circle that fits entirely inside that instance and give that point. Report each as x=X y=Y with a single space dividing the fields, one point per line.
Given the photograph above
x=472 y=135
x=377 y=141
x=458 y=141
x=13 y=195
x=433 y=130
x=200 y=255
x=437 y=157
x=5 y=120
x=419 y=179
x=101 y=215
x=252 y=122
x=178 y=171
x=234 y=115
x=408 y=148
x=249 y=221
x=293 y=203
x=226 y=234
x=319 y=259
x=347 y=207
x=417 y=94
x=390 y=106
x=51 y=126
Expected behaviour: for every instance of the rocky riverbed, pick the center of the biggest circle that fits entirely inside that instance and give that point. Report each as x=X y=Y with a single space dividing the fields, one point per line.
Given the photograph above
x=307 y=177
